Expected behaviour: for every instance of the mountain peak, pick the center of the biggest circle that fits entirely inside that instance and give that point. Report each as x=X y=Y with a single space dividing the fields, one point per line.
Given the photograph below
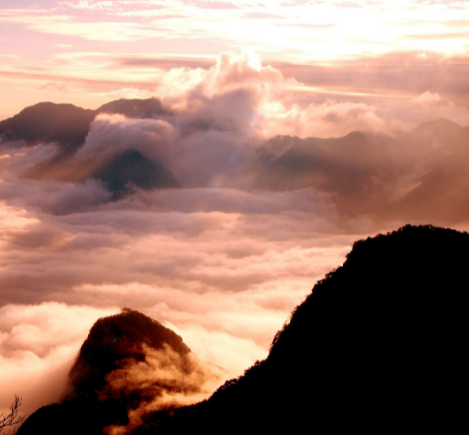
x=114 y=339
x=375 y=346
x=440 y=126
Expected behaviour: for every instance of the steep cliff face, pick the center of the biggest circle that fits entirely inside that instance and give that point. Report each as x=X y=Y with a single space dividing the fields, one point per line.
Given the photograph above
x=377 y=346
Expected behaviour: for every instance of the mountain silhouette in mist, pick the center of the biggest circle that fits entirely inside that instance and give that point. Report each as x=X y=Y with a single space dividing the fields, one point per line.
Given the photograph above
x=48 y=122
x=422 y=174
x=115 y=345
x=68 y=125
x=355 y=168
x=131 y=168
x=379 y=345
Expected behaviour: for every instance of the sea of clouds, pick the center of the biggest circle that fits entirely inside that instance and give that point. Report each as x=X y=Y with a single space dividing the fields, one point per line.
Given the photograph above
x=219 y=263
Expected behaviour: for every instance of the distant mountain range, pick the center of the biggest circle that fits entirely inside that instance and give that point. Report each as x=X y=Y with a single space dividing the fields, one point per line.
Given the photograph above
x=378 y=346
x=418 y=175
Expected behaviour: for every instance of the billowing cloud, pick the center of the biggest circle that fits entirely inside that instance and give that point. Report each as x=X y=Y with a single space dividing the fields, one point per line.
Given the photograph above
x=328 y=119
x=151 y=137
x=174 y=379
x=427 y=98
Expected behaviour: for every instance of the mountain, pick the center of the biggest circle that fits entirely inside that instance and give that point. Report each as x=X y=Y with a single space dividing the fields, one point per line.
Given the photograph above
x=119 y=174
x=377 y=346
x=115 y=339
x=68 y=125
x=130 y=169
x=419 y=175
x=409 y=176
x=128 y=360
x=440 y=194
x=48 y=122
x=439 y=132
x=356 y=169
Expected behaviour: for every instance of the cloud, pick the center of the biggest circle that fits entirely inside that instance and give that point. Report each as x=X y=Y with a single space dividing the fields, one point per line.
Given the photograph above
x=171 y=379
x=38 y=344
x=150 y=137
x=217 y=265
x=218 y=118
x=329 y=119
x=433 y=105
x=218 y=261
x=427 y=98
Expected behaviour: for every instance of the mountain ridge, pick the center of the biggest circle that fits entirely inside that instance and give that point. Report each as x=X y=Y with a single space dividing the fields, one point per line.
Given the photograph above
x=376 y=346
x=406 y=176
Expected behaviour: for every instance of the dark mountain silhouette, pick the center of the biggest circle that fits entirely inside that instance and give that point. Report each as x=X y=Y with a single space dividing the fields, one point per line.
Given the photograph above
x=378 y=346
x=112 y=340
x=47 y=122
x=68 y=125
x=115 y=345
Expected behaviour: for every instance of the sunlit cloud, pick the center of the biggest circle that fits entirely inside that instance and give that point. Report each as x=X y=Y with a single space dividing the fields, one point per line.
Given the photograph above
x=38 y=344
x=306 y=32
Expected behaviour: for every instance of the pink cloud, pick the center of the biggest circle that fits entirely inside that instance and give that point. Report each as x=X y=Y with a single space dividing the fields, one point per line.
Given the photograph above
x=38 y=344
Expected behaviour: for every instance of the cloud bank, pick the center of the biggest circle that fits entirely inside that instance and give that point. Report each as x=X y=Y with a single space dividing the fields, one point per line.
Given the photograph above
x=225 y=255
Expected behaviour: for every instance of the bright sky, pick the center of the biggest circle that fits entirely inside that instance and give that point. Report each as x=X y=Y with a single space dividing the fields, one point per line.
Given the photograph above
x=88 y=52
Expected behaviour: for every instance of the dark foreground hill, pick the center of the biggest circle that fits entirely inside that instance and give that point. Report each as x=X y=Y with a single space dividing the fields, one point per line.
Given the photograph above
x=110 y=376
x=379 y=346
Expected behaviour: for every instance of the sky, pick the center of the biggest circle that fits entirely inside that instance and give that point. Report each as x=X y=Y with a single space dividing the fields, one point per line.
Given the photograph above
x=87 y=52
x=220 y=262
